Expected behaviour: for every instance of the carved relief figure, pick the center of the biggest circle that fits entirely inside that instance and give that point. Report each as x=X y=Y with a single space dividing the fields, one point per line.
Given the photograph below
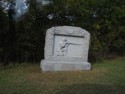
x=63 y=47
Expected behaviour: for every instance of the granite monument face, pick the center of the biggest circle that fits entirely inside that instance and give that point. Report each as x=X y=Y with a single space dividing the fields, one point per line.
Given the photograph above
x=66 y=49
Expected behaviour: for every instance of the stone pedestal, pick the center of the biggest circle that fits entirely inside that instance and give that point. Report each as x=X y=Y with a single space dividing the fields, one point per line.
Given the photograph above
x=66 y=49
x=64 y=66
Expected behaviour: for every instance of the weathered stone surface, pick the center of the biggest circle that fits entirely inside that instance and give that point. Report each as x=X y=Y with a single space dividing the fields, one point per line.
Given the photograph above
x=66 y=49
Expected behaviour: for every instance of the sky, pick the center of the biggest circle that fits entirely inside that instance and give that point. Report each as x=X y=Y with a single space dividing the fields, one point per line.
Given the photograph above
x=20 y=7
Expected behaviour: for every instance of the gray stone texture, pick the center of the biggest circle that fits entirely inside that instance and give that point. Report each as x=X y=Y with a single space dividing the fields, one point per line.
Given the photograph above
x=66 y=49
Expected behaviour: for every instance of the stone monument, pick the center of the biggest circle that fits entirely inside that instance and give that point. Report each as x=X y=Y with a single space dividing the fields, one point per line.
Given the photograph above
x=66 y=49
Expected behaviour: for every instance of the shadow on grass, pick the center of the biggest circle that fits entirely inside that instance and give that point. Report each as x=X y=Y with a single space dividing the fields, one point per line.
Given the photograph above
x=92 y=89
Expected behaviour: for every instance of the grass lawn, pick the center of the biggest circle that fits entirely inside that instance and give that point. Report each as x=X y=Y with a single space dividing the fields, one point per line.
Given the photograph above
x=106 y=77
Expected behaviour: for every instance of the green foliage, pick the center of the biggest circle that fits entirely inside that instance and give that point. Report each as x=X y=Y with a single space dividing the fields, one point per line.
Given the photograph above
x=104 y=19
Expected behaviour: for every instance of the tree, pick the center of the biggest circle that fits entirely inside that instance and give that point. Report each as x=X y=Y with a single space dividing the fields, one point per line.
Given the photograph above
x=104 y=19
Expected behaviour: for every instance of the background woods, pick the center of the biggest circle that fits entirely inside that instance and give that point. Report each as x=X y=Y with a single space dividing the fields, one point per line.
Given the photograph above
x=23 y=41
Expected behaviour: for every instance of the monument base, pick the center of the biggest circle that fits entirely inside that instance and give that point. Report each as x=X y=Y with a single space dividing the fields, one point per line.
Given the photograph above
x=47 y=65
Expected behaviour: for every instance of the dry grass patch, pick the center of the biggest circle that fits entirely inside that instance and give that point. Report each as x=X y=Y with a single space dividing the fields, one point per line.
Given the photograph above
x=106 y=77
